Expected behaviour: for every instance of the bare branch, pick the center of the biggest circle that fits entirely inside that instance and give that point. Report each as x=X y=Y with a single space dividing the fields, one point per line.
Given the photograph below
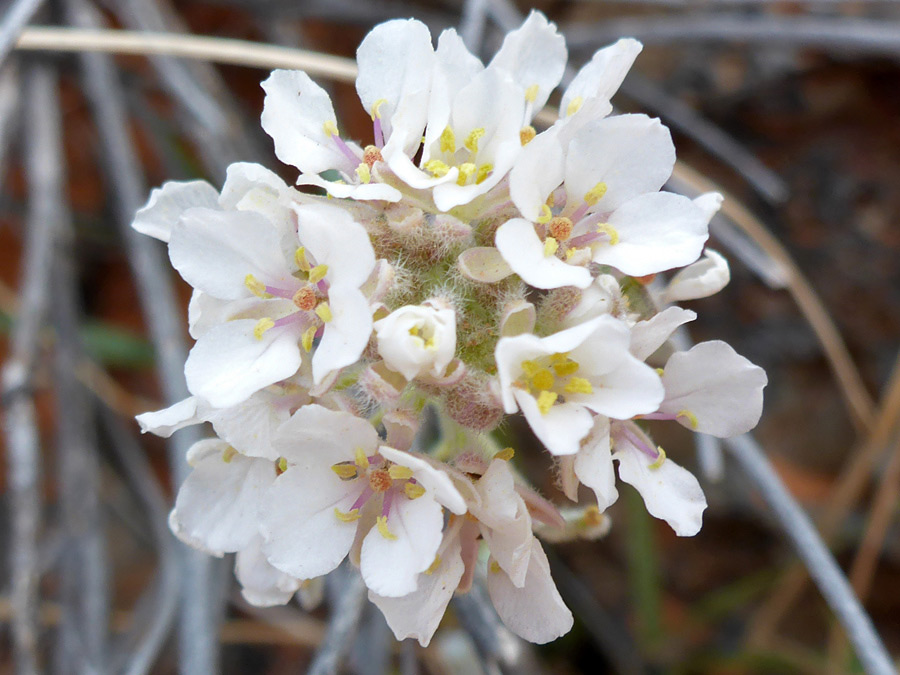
x=13 y=21
x=345 y=615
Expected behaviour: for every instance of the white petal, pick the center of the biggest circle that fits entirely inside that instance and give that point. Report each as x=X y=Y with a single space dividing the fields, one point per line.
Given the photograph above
x=418 y=614
x=523 y=250
x=346 y=335
x=633 y=388
x=670 y=492
x=217 y=503
x=594 y=466
x=261 y=584
x=244 y=178
x=505 y=521
x=706 y=277
x=304 y=537
x=361 y=192
x=718 y=386
x=250 y=426
x=657 y=231
x=535 y=54
x=536 y=611
x=436 y=482
x=295 y=112
x=603 y=74
x=166 y=204
x=648 y=336
x=539 y=170
x=167 y=421
x=561 y=428
x=632 y=154
x=228 y=363
x=390 y=566
x=333 y=238
x=315 y=435
x=214 y=251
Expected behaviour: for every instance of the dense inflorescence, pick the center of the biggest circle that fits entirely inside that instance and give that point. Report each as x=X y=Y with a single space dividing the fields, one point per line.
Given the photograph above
x=460 y=267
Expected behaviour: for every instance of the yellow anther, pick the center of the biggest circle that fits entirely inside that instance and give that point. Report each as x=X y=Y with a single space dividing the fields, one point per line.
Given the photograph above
x=330 y=128
x=472 y=140
x=550 y=246
x=546 y=214
x=506 y=454
x=300 y=259
x=345 y=470
x=381 y=524
x=494 y=566
x=571 y=251
x=592 y=517
x=466 y=171
x=349 y=516
x=574 y=106
x=365 y=176
x=609 y=231
x=484 y=171
x=414 y=331
x=660 y=371
x=530 y=368
x=317 y=273
x=578 y=385
x=660 y=458
x=307 y=340
x=413 y=490
x=527 y=134
x=261 y=327
x=436 y=168
x=228 y=454
x=376 y=108
x=432 y=568
x=564 y=368
x=255 y=286
x=448 y=140
x=531 y=93
x=323 y=311
x=281 y=465
x=545 y=401
x=689 y=416
x=543 y=379
x=595 y=194
x=399 y=472
x=361 y=460
x=559 y=357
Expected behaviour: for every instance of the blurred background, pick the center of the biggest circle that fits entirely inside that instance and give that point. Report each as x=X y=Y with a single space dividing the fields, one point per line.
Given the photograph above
x=793 y=108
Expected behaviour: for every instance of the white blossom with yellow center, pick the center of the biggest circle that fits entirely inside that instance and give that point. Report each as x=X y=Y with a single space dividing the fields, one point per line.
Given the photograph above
x=417 y=340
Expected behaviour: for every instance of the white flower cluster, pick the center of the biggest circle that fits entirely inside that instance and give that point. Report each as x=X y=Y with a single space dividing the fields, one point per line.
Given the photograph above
x=461 y=263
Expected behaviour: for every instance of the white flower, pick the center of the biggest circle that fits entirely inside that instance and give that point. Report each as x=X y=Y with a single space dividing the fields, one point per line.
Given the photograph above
x=341 y=484
x=705 y=277
x=557 y=381
x=417 y=339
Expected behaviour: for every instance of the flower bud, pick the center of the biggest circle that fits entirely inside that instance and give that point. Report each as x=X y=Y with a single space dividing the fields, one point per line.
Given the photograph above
x=417 y=340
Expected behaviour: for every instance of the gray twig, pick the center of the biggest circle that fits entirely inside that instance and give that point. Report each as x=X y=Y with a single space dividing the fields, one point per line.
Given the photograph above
x=156 y=609
x=13 y=21
x=815 y=554
x=84 y=568
x=345 y=615
x=22 y=441
x=198 y=641
x=10 y=87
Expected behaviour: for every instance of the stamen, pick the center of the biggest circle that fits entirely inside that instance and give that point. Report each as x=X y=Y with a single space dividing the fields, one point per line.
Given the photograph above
x=531 y=93
x=567 y=367
x=530 y=368
x=592 y=517
x=348 y=517
x=638 y=442
x=610 y=231
x=255 y=286
x=494 y=566
x=323 y=311
x=574 y=106
x=400 y=472
x=484 y=171
x=437 y=168
x=330 y=128
x=317 y=273
x=307 y=340
x=274 y=291
x=300 y=259
x=545 y=401
x=281 y=466
x=448 y=140
x=578 y=385
x=466 y=171
x=472 y=140
x=381 y=524
x=660 y=458
x=228 y=454
x=362 y=499
x=261 y=327
x=290 y=318
x=362 y=461
x=345 y=470
x=546 y=214
x=365 y=176
x=550 y=246
x=595 y=194
x=527 y=134
x=690 y=417
x=376 y=108
x=506 y=454
x=543 y=379
x=413 y=490
x=432 y=568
